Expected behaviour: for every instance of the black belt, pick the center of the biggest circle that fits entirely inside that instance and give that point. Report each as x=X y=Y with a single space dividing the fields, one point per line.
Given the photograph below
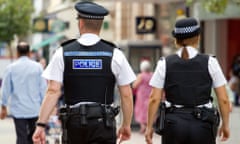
x=181 y=110
x=90 y=113
x=95 y=121
x=88 y=110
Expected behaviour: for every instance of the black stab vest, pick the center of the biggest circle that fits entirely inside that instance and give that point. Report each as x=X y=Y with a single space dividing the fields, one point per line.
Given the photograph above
x=188 y=82
x=87 y=73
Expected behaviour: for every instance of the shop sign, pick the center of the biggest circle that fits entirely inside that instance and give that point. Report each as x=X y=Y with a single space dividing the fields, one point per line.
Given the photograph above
x=145 y=25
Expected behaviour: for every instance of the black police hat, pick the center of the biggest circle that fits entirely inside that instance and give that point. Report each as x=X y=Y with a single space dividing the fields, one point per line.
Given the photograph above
x=90 y=10
x=186 y=28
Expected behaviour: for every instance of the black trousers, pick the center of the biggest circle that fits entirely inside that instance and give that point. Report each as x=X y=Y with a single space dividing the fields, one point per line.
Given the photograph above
x=24 y=129
x=93 y=133
x=184 y=128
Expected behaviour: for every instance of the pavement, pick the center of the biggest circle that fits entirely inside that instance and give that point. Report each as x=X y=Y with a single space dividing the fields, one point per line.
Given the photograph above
x=8 y=136
x=7 y=132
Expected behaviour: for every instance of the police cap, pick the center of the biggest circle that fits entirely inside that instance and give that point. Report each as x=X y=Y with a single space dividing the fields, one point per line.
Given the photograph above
x=90 y=10
x=186 y=28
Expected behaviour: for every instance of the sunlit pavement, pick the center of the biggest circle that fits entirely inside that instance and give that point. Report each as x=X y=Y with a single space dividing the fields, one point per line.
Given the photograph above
x=7 y=132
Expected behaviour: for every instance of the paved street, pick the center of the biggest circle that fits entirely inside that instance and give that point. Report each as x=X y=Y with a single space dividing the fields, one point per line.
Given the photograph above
x=7 y=133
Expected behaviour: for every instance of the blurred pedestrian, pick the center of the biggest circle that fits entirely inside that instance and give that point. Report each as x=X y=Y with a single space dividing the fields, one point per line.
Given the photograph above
x=234 y=81
x=88 y=69
x=187 y=78
x=23 y=84
x=143 y=90
x=43 y=62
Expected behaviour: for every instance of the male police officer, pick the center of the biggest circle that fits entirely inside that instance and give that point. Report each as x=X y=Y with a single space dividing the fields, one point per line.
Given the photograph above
x=88 y=68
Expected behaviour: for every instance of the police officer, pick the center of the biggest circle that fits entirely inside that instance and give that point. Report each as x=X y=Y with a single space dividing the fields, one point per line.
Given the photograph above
x=88 y=68
x=187 y=78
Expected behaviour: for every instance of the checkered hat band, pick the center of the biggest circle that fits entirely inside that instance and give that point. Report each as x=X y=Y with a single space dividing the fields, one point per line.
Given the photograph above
x=89 y=16
x=186 y=30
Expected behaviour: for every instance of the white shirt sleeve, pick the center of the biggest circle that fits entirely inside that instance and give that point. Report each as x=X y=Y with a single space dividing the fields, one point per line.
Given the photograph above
x=121 y=69
x=158 y=78
x=216 y=73
x=55 y=68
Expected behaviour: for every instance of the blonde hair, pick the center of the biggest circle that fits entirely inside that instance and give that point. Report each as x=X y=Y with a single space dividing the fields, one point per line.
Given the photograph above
x=193 y=41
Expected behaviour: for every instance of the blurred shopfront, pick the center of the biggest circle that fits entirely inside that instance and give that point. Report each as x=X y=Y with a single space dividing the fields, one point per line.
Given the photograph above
x=136 y=51
x=220 y=33
x=143 y=30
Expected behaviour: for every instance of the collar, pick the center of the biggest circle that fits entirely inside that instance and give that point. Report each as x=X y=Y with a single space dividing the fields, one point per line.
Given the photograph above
x=88 y=39
x=192 y=52
x=23 y=57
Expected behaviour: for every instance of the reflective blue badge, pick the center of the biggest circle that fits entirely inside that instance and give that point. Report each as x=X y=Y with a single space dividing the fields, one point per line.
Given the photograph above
x=87 y=63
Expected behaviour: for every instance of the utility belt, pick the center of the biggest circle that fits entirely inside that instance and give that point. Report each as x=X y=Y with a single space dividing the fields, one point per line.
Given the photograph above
x=88 y=111
x=86 y=114
x=210 y=115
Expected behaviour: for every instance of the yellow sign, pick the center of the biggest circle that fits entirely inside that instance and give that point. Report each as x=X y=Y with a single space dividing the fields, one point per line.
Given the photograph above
x=145 y=25
x=40 y=25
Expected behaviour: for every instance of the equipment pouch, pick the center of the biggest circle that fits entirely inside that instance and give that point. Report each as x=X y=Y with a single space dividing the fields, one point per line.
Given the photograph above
x=216 y=121
x=116 y=110
x=210 y=115
x=159 y=125
x=109 y=116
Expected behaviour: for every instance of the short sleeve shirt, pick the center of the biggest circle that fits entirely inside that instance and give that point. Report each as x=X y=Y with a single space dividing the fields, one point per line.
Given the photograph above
x=214 y=68
x=120 y=67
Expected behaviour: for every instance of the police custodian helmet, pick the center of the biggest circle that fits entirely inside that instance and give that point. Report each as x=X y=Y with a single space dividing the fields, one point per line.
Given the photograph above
x=186 y=28
x=90 y=10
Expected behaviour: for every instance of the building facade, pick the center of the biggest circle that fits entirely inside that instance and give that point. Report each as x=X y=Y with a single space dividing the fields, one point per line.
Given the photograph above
x=127 y=17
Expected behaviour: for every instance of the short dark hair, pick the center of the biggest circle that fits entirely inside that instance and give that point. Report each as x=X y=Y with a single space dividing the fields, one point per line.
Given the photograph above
x=93 y=24
x=23 y=48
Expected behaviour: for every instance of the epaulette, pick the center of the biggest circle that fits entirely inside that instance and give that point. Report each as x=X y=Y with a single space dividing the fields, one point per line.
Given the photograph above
x=109 y=43
x=67 y=42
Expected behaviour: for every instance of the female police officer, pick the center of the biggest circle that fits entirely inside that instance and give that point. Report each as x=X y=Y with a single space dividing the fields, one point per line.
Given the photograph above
x=187 y=78
x=88 y=68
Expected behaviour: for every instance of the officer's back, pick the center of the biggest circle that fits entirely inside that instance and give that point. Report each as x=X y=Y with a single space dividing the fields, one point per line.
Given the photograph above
x=89 y=68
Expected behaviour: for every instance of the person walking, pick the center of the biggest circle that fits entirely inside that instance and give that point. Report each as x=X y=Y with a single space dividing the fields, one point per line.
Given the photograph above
x=23 y=84
x=88 y=68
x=187 y=78
x=143 y=90
x=234 y=80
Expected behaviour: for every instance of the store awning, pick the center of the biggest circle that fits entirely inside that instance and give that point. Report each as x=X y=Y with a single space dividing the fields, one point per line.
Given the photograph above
x=47 y=42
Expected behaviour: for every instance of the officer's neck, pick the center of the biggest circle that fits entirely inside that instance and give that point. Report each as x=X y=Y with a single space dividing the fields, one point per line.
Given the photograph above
x=89 y=31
